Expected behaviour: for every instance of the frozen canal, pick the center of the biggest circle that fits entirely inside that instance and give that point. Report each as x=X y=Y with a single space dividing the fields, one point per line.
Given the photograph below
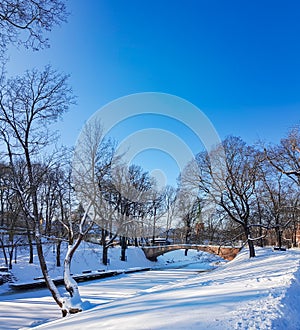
x=30 y=308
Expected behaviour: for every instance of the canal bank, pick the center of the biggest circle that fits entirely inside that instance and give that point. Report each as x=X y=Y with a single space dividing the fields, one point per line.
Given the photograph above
x=29 y=307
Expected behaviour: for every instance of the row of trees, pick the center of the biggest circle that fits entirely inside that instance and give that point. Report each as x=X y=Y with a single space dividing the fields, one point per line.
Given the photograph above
x=245 y=196
x=253 y=190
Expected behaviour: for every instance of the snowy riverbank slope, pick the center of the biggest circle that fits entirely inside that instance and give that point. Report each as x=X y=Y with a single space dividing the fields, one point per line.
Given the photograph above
x=88 y=259
x=258 y=293
x=35 y=306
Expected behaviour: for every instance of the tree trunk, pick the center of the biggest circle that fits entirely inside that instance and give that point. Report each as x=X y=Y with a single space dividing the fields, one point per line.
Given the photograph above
x=49 y=282
x=4 y=252
x=154 y=227
x=279 y=237
x=104 y=254
x=2 y=209
x=58 y=250
x=295 y=229
x=261 y=242
x=167 y=234
x=73 y=304
x=11 y=252
x=251 y=249
x=123 y=248
x=104 y=247
x=187 y=237
x=29 y=237
x=250 y=242
x=31 y=252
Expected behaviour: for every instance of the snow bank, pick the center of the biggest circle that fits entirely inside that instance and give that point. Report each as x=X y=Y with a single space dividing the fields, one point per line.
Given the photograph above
x=258 y=293
x=289 y=307
x=87 y=258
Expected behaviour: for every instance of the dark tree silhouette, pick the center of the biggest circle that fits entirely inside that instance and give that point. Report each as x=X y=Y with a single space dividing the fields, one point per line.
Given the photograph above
x=26 y=21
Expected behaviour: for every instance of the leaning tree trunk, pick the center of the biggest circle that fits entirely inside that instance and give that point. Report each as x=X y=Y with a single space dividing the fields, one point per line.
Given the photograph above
x=74 y=303
x=49 y=282
x=39 y=245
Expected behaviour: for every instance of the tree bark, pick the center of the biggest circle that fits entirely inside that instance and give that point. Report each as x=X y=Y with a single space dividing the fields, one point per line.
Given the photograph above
x=4 y=252
x=104 y=247
x=251 y=249
x=58 y=252
x=250 y=242
x=31 y=252
x=49 y=282
x=73 y=304
x=279 y=236
x=123 y=248
x=104 y=255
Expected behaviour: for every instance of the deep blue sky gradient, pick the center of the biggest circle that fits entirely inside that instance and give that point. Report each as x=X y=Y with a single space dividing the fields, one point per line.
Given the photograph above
x=238 y=61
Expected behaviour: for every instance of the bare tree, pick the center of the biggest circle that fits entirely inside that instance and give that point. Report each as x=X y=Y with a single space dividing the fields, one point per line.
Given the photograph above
x=12 y=226
x=293 y=213
x=169 y=204
x=286 y=156
x=26 y=21
x=229 y=181
x=28 y=105
x=118 y=194
x=128 y=191
x=274 y=195
x=92 y=166
x=63 y=196
x=188 y=211
x=155 y=212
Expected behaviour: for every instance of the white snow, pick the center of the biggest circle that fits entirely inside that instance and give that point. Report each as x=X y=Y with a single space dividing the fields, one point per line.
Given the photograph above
x=257 y=293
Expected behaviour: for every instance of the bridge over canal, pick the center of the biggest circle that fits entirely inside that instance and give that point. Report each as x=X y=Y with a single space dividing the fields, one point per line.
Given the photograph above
x=228 y=253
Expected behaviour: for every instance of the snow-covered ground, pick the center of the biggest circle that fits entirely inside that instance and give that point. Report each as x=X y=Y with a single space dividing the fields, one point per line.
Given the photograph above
x=87 y=257
x=257 y=293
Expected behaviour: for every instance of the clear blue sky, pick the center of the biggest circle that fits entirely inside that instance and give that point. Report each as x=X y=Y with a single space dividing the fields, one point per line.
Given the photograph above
x=238 y=61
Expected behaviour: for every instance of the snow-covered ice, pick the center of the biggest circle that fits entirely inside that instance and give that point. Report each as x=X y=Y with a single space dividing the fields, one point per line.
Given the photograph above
x=257 y=293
